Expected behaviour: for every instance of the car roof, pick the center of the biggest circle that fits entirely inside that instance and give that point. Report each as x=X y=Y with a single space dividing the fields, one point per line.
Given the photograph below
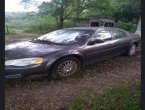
x=96 y=28
x=93 y=28
x=86 y=28
x=111 y=28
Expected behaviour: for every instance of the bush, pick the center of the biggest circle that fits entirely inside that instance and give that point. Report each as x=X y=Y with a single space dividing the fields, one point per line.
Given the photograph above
x=69 y=24
x=127 y=26
x=11 y=31
x=36 y=29
x=28 y=30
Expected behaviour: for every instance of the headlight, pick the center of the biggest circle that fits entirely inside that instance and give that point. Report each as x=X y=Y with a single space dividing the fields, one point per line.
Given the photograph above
x=24 y=62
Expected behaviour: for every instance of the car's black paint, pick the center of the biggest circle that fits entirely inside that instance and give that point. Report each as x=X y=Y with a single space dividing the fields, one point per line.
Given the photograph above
x=51 y=53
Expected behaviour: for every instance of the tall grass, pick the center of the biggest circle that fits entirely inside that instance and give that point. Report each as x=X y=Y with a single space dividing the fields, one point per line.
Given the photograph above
x=118 y=98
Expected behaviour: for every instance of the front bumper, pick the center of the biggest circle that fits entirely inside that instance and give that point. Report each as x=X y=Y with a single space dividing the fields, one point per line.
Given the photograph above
x=12 y=72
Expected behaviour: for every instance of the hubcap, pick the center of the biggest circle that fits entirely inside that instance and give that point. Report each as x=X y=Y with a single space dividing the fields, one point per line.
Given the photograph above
x=67 y=68
x=132 y=50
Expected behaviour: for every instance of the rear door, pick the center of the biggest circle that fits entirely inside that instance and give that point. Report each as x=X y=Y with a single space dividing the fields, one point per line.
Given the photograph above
x=121 y=41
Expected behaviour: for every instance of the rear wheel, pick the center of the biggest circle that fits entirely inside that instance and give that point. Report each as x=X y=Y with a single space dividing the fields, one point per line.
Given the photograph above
x=65 y=67
x=132 y=50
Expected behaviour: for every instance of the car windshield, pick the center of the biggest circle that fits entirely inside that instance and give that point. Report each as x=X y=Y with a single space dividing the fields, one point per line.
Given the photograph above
x=67 y=36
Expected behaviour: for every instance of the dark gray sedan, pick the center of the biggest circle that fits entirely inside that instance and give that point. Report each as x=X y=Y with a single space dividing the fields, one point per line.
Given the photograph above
x=63 y=52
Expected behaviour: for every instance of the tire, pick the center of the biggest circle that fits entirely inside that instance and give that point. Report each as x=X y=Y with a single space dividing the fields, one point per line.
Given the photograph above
x=65 y=68
x=132 y=50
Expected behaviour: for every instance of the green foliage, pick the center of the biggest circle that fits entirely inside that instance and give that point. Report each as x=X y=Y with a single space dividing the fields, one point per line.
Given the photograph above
x=56 y=8
x=68 y=23
x=127 y=10
x=41 y=25
x=117 y=98
x=76 y=104
x=100 y=8
x=33 y=24
x=18 y=23
x=126 y=26
x=21 y=84
x=12 y=31
x=14 y=15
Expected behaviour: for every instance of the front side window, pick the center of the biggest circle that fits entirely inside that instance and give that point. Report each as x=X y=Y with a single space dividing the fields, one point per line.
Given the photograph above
x=103 y=35
x=119 y=34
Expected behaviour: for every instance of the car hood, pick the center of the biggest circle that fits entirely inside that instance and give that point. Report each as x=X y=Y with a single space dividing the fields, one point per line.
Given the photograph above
x=30 y=49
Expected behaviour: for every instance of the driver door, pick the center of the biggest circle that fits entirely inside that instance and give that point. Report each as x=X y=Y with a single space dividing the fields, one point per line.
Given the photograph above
x=99 y=51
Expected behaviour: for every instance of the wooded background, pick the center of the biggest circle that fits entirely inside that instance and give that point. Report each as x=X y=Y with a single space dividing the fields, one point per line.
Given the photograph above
x=57 y=14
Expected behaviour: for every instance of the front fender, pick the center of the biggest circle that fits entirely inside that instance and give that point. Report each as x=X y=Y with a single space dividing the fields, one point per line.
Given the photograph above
x=57 y=57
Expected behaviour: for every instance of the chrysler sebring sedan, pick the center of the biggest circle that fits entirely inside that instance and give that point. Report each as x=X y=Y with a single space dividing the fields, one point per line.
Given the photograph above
x=62 y=53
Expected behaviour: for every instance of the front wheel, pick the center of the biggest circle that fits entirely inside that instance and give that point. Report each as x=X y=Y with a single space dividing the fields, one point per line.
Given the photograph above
x=65 y=67
x=132 y=50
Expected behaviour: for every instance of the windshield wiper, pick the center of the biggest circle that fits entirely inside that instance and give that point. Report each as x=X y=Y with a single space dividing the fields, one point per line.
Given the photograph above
x=40 y=41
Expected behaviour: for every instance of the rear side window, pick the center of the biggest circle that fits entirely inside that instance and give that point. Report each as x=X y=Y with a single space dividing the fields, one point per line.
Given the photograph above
x=119 y=34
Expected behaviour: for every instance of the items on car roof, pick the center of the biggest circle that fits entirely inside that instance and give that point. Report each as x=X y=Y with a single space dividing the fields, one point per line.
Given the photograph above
x=95 y=22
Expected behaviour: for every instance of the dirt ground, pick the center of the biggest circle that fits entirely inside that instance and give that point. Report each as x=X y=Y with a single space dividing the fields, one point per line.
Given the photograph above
x=47 y=94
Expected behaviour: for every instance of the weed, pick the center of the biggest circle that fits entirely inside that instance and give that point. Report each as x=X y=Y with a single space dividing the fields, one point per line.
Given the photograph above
x=76 y=104
x=117 y=98
x=29 y=84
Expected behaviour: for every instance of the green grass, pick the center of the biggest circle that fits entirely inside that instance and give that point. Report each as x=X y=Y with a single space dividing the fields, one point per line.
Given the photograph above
x=117 y=98
x=21 y=84
x=77 y=104
x=14 y=31
x=11 y=32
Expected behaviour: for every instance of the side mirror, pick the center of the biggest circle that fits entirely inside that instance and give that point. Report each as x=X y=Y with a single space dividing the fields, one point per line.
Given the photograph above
x=95 y=41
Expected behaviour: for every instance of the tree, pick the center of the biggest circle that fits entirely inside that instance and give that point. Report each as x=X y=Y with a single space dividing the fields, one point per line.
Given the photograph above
x=56 y=8
x=100 y=8
x=78 y=8
x=127 y=10
x=7 y=29
x=65 y=11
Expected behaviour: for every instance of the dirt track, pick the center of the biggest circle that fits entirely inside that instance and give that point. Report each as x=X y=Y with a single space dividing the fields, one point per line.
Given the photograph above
x=48 y=94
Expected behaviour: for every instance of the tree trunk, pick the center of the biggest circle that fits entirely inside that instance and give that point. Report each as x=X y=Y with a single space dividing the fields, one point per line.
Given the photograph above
x=57 y=22
x=78 y=11
x=61 y=20
x=40 y=28
x=7 y=29
x=77 y=15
